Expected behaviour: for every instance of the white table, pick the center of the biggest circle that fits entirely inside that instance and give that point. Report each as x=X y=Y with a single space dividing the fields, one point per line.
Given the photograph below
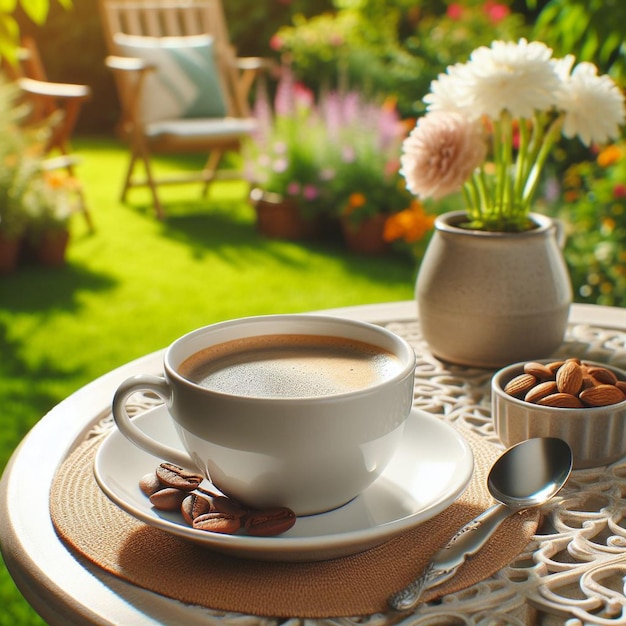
x=576 y=569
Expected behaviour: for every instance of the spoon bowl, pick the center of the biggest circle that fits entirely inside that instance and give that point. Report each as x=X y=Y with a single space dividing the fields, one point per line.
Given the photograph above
x=530 y=473
x=526 y=476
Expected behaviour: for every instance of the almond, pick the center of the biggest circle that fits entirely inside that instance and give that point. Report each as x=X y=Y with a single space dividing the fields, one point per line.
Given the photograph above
x=520 y=384
x=539 y=370
x=569 y=377
x=602 y=375
x=555 y=365
x=561 y=400
x=602 y=395
x=621 y=384
x=589 y=381
x=541 y=391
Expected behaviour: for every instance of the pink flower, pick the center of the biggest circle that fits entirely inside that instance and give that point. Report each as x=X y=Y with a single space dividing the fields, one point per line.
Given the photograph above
x=455 y=11
x=303 y=96
x=276 y=43
x=619 y=191
x=280 y=165
x=293 y=189
x=348 y=155
x=336 y=40
x=310 y=192
x=496 y=12
x=441 y=153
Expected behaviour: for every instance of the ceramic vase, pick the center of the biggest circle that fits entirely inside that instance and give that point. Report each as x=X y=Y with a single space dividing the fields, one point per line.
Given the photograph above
x=279 y=218
x=489 y=299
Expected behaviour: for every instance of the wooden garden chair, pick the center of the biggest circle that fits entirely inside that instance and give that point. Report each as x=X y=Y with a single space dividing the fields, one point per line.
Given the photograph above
x=181 y=87
x=54 y=103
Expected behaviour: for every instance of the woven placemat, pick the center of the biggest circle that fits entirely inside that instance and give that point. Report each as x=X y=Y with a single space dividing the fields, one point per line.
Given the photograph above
x=350 y=586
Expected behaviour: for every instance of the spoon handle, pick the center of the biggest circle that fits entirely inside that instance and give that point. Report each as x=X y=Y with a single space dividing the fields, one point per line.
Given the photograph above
x=444 y=564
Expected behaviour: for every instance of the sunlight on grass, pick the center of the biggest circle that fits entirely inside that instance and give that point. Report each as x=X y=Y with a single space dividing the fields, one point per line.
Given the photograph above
x=136 y=284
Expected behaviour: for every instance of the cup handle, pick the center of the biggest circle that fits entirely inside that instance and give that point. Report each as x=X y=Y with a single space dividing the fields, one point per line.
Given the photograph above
x=158 y=385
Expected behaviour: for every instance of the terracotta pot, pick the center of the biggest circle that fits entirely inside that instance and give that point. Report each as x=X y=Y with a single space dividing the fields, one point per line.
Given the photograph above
x=279 y=218
x=9 y=253
x=490 y=299
x=366 y=236
x=51 y=247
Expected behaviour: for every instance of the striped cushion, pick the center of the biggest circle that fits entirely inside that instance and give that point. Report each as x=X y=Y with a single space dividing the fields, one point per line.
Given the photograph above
x=185 y=83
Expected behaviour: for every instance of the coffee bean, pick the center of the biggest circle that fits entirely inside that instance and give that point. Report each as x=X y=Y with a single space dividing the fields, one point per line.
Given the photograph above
x=167 y=499
x=208 y=510
x=222 y=504
x=269 y=522
x=171 y=475
x=223 y=523
x=150 y=484
x=193 y=506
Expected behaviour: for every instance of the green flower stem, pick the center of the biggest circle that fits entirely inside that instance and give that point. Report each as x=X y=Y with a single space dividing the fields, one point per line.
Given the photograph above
x=470 y=195
x=503 y=151
x=522 y=165
x=495 y=210
x=481 y=184
x=550 y=138
x=507 y=154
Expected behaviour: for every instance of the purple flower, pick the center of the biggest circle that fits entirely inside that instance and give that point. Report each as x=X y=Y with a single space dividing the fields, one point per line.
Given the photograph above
x=310 y=192
x=293 y=188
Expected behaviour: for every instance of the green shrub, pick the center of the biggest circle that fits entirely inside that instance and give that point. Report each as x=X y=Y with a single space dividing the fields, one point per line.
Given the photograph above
x=392 y=47
x=592 y=204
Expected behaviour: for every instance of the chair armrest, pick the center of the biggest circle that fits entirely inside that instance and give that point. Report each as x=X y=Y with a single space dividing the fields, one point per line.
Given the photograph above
x=54 y=90
x=254 y=63
x=128 y=64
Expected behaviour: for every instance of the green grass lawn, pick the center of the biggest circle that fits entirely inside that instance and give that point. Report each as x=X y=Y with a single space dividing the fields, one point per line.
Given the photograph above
x=136 y=284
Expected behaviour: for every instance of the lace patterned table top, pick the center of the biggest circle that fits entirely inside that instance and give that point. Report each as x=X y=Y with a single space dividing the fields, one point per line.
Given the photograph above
x=573 y=571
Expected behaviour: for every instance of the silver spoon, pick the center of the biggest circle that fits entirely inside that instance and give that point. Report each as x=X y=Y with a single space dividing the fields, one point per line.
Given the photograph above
x=527 y=475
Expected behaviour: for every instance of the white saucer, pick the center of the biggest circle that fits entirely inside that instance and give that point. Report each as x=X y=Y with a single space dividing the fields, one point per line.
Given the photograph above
x=428 y=473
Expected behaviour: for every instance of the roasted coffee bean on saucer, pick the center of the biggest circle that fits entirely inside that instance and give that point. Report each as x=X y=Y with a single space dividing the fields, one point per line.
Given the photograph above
x=172 y=488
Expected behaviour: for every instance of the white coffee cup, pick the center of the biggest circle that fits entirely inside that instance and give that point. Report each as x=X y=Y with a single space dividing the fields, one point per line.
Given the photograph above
x=311 y=453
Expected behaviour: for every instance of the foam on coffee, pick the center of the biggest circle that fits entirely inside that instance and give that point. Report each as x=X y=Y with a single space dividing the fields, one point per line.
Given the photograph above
x=290 y=366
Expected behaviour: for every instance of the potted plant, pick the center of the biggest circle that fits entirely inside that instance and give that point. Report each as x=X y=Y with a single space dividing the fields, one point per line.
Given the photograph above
x=366 y=184
x=49 y=201
x=288 y=163
x=13 y=176
x=35 y=204
x=493 y=287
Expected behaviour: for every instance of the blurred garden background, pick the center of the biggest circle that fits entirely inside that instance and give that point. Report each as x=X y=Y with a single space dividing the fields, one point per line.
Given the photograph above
x=135 y=283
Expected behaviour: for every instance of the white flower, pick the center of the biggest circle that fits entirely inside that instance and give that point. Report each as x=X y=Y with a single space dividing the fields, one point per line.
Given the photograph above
x=505 y=87
x=441 y=153
x=452 y=91
x=593 y=105
x=517 y=77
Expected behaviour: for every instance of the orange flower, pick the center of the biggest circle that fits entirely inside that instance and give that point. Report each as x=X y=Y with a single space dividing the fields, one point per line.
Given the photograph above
x=55 y=180
x=409 y=225
x=355 y=201
x=608 y=156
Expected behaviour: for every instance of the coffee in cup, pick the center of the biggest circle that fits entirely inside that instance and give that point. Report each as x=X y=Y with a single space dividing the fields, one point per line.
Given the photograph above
x=290 y=366
x=302 y=411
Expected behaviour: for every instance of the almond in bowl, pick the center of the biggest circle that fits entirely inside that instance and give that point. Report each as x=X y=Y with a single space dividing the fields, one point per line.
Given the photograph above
x=580 y=401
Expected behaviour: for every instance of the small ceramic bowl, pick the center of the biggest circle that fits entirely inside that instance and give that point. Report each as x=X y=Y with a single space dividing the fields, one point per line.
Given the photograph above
x=597 y=435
